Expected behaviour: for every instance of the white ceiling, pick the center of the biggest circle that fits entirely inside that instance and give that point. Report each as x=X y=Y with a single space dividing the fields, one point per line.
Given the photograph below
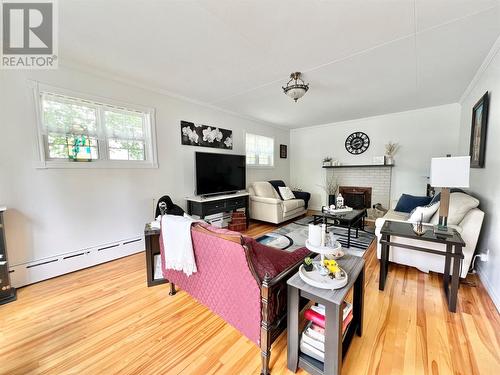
x=360 y=57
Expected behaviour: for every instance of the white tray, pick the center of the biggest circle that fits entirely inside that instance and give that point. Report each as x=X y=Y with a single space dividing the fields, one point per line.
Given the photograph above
x=314 y=278
x=325 y=250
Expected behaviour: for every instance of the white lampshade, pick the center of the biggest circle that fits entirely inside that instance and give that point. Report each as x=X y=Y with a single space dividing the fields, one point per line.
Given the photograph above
x=450 y=172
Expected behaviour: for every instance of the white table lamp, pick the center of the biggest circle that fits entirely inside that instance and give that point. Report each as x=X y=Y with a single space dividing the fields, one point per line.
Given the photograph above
x=446 y=173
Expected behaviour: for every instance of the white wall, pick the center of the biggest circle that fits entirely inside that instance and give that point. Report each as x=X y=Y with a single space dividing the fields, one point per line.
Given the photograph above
x=485 y=182
x=54 y=211
x=422 y=134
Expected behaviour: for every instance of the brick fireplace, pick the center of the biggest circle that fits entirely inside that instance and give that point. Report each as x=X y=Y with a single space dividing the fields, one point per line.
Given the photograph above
x=369 y=185
x=357 y=197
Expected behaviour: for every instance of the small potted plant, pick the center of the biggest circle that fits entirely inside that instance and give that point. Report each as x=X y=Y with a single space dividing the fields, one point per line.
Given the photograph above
x=390 y=150
x=308 y=264
x=327 y=161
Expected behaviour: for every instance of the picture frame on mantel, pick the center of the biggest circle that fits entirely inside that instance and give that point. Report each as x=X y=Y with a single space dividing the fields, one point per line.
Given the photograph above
x=478 y=132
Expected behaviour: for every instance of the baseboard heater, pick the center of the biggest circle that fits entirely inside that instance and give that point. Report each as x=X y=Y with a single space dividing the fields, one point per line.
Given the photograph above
x=43 y=269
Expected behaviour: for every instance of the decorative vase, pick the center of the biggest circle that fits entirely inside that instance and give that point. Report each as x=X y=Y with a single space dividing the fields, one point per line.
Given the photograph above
x=389 y=160
x=331 y=199
x=327 y=164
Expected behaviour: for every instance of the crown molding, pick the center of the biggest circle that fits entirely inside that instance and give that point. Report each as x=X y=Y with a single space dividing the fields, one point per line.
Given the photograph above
x=70 y=64
x=484 y=66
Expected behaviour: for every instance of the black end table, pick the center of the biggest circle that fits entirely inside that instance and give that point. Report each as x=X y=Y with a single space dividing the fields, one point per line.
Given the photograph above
x=454 y=245
x=335 y=346
x=350 y=219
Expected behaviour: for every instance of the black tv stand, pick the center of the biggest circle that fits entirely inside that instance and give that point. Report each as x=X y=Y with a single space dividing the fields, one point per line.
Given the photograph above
x=215 y=195
x=204 y=206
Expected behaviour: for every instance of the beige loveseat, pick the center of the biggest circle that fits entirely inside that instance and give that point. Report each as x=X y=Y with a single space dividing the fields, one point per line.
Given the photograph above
x=267 y=205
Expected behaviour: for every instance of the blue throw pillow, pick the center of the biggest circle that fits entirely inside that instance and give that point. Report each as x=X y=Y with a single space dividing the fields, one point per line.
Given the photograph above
x=408 y=202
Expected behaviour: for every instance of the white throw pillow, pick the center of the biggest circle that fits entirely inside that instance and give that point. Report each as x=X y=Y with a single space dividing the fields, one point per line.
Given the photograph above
x=423 y=212
x=460 y=205
x=286 y=193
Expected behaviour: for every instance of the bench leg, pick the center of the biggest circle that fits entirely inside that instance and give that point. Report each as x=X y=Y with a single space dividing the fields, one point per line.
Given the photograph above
x=172 y=290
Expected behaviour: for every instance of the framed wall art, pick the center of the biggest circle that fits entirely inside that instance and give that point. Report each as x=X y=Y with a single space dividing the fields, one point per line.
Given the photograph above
x=206 y=136
x=283 y=151
x=478 y=132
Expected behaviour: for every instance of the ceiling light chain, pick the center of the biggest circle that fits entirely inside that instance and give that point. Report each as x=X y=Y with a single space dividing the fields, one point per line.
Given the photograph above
x=295 y=90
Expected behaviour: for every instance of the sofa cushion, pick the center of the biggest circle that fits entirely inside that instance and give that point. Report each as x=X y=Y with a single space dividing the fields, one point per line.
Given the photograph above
x=460 y=204
x=292 y=204
x=423 y=212
x=286 y=193
x=264 y=189
x=408 y=202
x=396 y=216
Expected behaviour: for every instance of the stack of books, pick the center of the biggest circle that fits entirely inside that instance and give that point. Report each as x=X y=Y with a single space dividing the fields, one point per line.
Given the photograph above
x=220 y=220
x=238 y=221
x=312 y=340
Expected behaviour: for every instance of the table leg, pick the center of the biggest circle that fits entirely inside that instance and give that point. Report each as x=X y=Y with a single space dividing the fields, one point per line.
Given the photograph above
x=333 y=339
x=293 y=328
x=455 y=279
x=349 y=236
x=446 y=273
x=358 y=301
x=384 y=263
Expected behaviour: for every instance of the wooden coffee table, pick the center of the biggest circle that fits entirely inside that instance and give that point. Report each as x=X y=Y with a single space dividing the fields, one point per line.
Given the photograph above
x=351 y=219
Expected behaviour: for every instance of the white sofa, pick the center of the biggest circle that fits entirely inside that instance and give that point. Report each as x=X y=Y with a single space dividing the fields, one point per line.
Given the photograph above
x=266 y=204
x=469 y=228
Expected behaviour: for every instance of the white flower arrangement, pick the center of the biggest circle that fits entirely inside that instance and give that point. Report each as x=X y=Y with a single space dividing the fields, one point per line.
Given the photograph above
x=191 y=134
x=210 y=135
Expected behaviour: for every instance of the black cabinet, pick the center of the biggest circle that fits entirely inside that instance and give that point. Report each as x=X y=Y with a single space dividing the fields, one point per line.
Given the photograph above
x=209 y=206
x=7 y=292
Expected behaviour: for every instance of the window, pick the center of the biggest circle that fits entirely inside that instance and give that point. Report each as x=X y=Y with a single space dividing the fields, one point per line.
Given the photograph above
x=259 y=150
x=73 y=128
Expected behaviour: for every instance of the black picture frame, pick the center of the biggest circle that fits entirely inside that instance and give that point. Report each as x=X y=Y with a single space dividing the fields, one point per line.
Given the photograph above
x=479 y=125
x=283 y=151
x=206 y=136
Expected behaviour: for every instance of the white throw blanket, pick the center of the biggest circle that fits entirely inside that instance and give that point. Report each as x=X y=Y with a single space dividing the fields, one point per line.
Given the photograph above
x=177 y=243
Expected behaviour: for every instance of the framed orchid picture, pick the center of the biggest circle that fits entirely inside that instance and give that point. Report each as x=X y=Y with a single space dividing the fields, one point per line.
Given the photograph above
x=478 y=132
x=206 y=136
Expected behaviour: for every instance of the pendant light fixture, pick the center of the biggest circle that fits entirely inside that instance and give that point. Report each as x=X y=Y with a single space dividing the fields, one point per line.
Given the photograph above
x=295 y=88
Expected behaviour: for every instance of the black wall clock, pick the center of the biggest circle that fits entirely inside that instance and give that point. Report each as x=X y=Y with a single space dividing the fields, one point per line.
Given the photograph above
x=357 y=143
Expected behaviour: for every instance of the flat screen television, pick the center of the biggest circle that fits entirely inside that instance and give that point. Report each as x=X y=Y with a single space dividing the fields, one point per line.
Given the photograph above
x=219 y=173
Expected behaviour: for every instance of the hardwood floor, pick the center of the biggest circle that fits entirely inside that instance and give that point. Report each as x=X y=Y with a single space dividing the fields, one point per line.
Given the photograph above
x=105 y=320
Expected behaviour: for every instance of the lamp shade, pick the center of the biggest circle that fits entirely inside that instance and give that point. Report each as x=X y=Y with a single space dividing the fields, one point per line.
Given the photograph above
x=450 y=172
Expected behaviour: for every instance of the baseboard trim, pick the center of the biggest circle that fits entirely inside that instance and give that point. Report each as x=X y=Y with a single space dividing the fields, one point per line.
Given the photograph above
x=489 y=288
x=47 y=268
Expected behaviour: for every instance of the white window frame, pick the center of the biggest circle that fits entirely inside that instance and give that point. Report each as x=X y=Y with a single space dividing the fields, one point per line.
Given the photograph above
x=259 y=166
x=44 y=161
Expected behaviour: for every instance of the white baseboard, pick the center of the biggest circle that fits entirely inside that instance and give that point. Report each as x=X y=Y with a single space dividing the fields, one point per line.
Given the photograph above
x=489 y=287
x=43 y=269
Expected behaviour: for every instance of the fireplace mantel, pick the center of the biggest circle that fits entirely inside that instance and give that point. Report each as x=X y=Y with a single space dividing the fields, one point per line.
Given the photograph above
x=360 y=166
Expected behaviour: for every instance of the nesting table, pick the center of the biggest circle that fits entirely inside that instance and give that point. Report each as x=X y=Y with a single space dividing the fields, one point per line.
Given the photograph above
x=336 y=344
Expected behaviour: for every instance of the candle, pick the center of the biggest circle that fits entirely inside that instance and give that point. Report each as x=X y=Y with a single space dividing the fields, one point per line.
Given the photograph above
x=314 y=235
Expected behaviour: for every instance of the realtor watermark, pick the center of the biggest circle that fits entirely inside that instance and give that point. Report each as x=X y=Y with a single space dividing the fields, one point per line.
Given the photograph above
x=29 y=34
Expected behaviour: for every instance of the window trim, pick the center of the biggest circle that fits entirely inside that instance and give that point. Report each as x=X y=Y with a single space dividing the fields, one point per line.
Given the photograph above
x=44 y=162
x=259 y=166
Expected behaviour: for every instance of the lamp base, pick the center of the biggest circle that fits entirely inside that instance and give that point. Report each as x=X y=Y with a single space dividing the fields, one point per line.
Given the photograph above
x=442 y=230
